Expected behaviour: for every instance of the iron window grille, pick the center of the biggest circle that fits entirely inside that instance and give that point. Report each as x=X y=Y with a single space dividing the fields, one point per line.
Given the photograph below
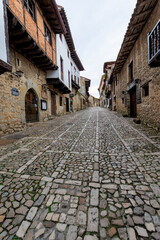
x=154 y=43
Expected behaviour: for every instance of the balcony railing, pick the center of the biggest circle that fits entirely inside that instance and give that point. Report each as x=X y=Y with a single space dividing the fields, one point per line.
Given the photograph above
x=154 y=46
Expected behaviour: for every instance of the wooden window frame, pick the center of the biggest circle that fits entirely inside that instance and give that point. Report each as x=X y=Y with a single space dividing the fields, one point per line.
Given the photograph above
x=31 y=11
x=61 y=64
x=69 y=77
x=130 y=67
x=145 y=90
x=60 y=101
x=48 y=34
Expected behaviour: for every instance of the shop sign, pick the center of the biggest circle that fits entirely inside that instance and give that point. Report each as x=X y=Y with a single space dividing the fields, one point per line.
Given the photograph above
x=15 y=92
x=43 y=105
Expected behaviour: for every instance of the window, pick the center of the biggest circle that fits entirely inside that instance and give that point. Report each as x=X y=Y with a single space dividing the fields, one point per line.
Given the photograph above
x=154 y=45
x=122 y=100
x=30 y=6
x=69 y=79
x=68 y=53
x=75 y=78
x=60 y=101
x=78 y=81
x=47 y=34
x=145 y=90
x=61 y=64
x=131 y=72
x=60 y=35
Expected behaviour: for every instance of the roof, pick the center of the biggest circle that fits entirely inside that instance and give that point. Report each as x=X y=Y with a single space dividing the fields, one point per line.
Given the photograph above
x=106 y=64
x=51 y=12
x=69 y=39
x=138 y=20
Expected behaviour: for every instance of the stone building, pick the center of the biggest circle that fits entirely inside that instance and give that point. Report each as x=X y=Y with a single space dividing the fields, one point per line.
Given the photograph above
x=84 y=90
x=66 y=78
x=101 y=89
x=137 y=68
x=109 y=91
x=93 y=101
x=34 y=81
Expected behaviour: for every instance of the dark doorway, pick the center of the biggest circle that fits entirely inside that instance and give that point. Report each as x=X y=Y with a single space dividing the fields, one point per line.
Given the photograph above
x=53 y=104
x=67 y=105
x=133 y=102
x=31 y=106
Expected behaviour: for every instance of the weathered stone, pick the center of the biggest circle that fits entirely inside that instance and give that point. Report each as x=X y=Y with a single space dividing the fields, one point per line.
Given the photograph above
x=61 y=227
x=149 y=210
x=150 y=227
x=88 y=237
x=22 y=229
x=92 y=220
x=141 y=231
x=112 y=231
x=39 y=201
x=94 y=197
x=131 y=234
x=104 y=222
x=22 y=210
x=31 y=214
x=138 y=211
x=72 y=233
x=81 y=218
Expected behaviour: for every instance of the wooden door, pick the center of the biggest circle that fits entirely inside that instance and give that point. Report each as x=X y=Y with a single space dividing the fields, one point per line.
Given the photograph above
x=133 y=103
x=53 y=104
x=67 y=105
x=31 y=106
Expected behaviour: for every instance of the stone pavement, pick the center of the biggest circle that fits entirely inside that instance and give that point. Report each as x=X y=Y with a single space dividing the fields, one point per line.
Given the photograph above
x=89 y=175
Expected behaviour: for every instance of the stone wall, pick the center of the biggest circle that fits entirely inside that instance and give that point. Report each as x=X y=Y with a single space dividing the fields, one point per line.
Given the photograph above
x=12 y=108
x=149 y=109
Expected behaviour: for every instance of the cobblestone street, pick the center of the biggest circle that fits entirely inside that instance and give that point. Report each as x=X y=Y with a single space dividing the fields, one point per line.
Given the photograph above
x=88 y=175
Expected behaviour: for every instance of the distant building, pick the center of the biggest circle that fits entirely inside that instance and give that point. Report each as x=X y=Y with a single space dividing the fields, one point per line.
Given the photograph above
x=93 y=101
x=104 y=87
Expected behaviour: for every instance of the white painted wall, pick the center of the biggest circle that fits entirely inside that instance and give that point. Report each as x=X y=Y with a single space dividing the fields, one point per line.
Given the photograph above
x=62 y=51
x=75 y=72
x=3 y=49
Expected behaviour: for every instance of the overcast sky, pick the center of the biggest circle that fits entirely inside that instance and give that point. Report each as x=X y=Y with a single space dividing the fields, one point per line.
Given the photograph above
x=98 y=28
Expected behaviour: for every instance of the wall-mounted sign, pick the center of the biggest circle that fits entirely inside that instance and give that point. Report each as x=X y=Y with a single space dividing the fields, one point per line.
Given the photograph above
x=15 y=92
x=43 y=105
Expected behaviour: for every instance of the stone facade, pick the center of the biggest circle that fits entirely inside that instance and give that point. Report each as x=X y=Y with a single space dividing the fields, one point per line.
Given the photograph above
x=145 y=78
x=12 y=107
x=93 y=101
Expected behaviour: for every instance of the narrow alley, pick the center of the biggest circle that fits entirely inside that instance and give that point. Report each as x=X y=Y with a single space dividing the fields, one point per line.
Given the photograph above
x=88 y=175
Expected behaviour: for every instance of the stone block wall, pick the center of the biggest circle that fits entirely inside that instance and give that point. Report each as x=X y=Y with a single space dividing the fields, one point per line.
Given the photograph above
x=12 y=108
x=149 y=109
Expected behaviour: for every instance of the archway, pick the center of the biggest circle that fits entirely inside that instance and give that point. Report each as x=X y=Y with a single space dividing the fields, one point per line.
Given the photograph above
x=31 y=106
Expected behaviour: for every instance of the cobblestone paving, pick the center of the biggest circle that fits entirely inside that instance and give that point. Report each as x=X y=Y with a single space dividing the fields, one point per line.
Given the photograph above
x=85 y=176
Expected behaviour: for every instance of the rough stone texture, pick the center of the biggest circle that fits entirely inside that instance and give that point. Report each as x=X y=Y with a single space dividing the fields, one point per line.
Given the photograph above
x=122 y=205
x=147 y=110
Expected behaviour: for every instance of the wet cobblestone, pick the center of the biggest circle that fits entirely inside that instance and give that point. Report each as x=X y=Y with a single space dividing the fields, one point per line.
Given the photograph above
x=89 y=175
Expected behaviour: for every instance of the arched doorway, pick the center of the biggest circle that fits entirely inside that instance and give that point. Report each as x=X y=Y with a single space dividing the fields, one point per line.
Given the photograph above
x=31 y=106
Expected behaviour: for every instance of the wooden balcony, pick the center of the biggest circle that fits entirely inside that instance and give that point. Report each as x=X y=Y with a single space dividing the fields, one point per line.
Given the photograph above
x=154 y=46
x=25 y=44
x=4 y=67
x=59 y=85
